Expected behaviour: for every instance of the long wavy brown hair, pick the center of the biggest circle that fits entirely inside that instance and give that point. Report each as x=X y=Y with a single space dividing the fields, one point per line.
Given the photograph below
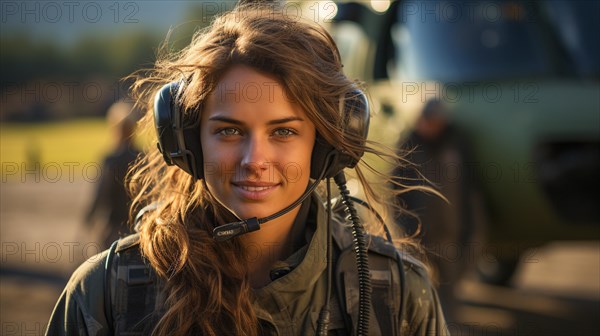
x=206 y=286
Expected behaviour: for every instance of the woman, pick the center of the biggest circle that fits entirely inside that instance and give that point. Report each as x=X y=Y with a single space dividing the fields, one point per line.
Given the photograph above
x=233 y=239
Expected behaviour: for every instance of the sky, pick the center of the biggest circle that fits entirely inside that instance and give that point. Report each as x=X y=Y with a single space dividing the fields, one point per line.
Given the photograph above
x=66 y=21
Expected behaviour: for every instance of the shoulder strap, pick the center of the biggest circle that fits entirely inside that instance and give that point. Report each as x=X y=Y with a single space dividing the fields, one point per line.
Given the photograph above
x=108 y=312
x=133 y=287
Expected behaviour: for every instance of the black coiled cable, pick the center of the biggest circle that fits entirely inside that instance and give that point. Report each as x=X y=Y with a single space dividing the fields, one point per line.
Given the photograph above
x=362 y=260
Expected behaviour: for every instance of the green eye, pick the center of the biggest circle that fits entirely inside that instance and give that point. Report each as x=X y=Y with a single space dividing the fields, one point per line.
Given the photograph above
x=284 y=132
x=228 y=131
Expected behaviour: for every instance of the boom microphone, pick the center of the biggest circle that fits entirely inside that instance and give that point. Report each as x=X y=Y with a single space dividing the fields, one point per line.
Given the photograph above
x=230 y=230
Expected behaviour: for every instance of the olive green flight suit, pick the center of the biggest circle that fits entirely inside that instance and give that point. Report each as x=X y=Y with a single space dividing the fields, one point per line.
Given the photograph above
x=289 y=305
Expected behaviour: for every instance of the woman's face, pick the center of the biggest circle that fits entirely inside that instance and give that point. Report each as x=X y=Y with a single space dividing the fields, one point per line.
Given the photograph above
x=256 y=144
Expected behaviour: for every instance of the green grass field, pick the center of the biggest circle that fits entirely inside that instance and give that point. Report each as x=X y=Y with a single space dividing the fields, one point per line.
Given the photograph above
x=61 y=144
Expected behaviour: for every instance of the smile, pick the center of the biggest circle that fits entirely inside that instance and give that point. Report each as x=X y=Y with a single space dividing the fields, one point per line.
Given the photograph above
x=248 y=188
x=255 y=191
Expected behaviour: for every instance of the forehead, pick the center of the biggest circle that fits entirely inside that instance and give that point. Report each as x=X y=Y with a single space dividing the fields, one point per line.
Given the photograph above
x=246 y=93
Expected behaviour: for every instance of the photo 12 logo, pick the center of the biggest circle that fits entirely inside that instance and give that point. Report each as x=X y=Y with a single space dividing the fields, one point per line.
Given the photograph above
x=28 y=12
x=51 y=172
x=471 y=92
x=53 y=92
x=466 y=11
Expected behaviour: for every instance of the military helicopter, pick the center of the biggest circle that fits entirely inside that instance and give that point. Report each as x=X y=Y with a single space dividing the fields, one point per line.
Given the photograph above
x=521 y=80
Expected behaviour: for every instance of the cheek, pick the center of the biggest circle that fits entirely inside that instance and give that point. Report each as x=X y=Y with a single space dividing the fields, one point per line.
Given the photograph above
x=218 y=161
x=296 y=167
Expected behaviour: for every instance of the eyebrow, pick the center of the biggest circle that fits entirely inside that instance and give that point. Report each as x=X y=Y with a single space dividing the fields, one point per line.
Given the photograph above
x=271 y=122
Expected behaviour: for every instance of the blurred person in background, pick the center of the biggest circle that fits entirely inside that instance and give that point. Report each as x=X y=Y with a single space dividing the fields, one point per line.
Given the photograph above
x=438 y=156
x=111 y=201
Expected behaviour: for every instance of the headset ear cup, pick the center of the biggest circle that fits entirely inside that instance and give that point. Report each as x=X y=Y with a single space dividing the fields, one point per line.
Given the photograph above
x=179 y=146
x=355 y=127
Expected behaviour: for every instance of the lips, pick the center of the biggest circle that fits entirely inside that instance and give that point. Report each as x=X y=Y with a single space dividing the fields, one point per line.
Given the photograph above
x=249 y=188
x=252 y=190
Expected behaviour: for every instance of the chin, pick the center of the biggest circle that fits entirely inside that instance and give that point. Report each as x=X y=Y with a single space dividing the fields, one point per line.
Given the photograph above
x=254 y=211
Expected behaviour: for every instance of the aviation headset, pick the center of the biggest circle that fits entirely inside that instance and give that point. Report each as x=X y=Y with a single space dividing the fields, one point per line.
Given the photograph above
x=180 y=145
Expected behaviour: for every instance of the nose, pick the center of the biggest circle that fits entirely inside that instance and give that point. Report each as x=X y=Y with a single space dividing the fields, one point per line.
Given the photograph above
x=255 y=159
